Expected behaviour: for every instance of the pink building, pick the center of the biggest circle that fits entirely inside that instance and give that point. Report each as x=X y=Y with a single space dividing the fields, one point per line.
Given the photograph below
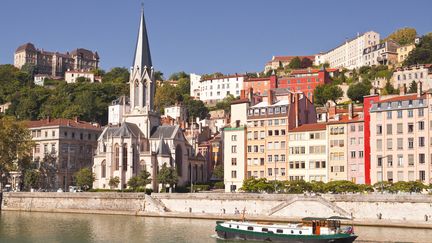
x=355 y=155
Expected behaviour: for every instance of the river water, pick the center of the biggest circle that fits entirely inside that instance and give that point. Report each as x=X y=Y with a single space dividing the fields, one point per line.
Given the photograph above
x=36 y=227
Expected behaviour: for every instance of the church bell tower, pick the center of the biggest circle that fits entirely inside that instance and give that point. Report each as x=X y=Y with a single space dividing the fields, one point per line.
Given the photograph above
x=142 y=82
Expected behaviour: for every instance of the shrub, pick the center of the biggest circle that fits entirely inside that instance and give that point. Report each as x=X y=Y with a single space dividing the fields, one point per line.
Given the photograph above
x=219 y=185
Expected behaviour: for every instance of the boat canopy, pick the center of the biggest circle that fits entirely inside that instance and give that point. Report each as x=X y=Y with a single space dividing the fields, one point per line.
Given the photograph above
x=329 y=218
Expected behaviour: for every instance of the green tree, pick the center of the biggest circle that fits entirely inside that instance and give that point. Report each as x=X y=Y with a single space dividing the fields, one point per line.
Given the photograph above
x=295 y=63
x=114 y=182
x=167 y=175
x=341 y=187
x=166 y=95
x=84 y=178
x=325 y=92
x=31 y=179
x=403 y=36
x=15 y=146
x=422 y=54
x=413 y=87
x=141 y=180
x=48 y=171
x=82 y=79
x=389 y=89
x=357 y=91
x=196 y=108
x=117 y=75
x=297 y=186
x=218 y=172
x=158 y=75
x=178 y=76
x=306 y=62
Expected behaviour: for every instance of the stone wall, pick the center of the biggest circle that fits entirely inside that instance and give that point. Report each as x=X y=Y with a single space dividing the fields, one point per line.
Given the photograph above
x=365 y=208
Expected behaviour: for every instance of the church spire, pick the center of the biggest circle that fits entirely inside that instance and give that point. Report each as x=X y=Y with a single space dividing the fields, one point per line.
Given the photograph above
x=142 y=50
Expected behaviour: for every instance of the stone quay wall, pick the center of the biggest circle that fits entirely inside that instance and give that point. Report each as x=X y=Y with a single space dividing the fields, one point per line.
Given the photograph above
x=369 y=209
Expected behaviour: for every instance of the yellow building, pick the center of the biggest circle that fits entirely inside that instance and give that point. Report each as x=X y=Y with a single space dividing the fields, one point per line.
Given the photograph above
x=404 y=51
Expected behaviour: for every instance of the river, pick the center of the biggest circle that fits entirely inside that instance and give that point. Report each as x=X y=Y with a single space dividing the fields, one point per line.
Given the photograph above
x=36 y=227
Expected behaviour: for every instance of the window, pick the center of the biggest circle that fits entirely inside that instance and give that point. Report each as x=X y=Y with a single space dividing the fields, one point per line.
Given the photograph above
x=282 y=144
x=234 y=161
x=262 y=134
x=410 y=113
x=422 y=175
x=283 y=172
x=103 y=169
x=422 y=158
x=389 y=143
x=361 y=154
x=360 y=128
x=352 y=128
x=117 y=156
x=379 y=129
x=234 y=149
x=421 y=112
x=233 y=137
x=410 y=143
x=353 y=154
x=399 y=114
x=399 y=128
x=400 y=160
x=410 y=159
x=421 y=125
x=269 y=158
x=410 y=127
x=249 y=149
x=233 y=174
x=421 y=141
x=379 y=161
x=269 y=171
x=389 y=129
x=389 y=114
x=379 y=145
x=282 y=158
x=270 y=132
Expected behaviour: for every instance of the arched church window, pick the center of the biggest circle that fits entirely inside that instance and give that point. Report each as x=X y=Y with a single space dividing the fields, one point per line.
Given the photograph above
x=136 y=93
x=124 y=160
x=103 y=169
x=142 y=165
x=116 y=156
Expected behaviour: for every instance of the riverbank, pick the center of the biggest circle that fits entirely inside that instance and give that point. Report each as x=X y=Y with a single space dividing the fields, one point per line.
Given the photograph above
x=381 y=210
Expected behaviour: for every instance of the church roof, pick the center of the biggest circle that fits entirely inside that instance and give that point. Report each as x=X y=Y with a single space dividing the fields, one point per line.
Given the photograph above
x=125 y=130
x=163 y=148
x=165 y=131
x=142 y=50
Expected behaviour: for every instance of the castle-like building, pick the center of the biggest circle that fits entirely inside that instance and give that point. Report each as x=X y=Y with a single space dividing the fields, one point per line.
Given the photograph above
x=135 y=140
x=55 y=64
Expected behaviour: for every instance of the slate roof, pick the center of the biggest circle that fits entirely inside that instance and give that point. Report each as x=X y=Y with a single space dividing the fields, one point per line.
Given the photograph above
x=63 y=123
x=27 y=46
x=164 y=131
x=125 y=130
x=163 y=148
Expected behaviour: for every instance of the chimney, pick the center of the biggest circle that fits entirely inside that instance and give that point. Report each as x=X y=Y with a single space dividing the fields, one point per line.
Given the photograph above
x=402 y=89
x=242 y=94
x=297 y=109
x=76 y=119
x=350 y=111
x=419 y=89
x=48 y=119
x=270 y=97
x=251 y=96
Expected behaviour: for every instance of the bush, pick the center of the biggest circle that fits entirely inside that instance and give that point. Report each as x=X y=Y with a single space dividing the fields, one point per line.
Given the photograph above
x=219 y=185
x=198 y=188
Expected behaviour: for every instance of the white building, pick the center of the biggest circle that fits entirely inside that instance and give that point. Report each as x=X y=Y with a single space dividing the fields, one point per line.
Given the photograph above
x=39 y=79
x=177 y=112
x=72 y=75
x=216 y=89
x=234 y=158
x=195 y=85
x=350 y=53
x=381 y=54
x=116 y=110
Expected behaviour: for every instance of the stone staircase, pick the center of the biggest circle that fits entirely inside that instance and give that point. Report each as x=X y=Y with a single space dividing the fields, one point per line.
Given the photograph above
x=154 y=205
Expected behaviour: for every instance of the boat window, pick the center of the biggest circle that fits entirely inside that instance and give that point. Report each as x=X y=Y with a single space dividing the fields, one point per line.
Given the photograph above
x=292 y=231
x=237 y=226
x=279 y=231
x=230 y=226
x=300 y=232
x=264 y=230
x=250 y=228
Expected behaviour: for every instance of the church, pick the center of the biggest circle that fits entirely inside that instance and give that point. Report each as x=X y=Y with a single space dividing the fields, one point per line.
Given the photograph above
x=134 y=140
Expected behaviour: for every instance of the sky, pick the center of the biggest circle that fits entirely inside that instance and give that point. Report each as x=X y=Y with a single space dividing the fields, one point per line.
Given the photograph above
x=201 y=36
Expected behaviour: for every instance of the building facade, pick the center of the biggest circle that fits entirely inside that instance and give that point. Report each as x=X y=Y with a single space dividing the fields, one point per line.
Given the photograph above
x=282 y=61
x=404 y=51
x=404 y=76
x=55 y=63
x=401 y=148
x=71 y=143
x=216 y=89
x=381 y=54
x=71 y=76
x=349 y=54
x=195 y=85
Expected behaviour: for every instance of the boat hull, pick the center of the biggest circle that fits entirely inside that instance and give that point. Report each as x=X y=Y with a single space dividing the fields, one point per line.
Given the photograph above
x=233 y=234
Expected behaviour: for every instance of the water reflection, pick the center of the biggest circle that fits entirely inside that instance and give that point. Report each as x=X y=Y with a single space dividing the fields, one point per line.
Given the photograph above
x=65 y=228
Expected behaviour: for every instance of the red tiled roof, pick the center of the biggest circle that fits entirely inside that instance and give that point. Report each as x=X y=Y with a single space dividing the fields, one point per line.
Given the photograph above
x=402 y=98
x=225 y=76
x=304 y=71
x=310 y=127
x=245 y=100
x=62 y=122
x=256 y=79
x=345 y=119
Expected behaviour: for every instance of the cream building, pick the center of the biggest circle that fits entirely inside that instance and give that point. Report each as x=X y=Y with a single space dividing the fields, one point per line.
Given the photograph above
x=337 y=150
x=55 y=63
x=400 y=150
x=308 y=153
x=216 y=89
x=195 y=85
x=72 y=75
x=404 y=51
x=381 y=54
x=138 y=142
x=71 y=142
x=404 y=76
x=350 y=53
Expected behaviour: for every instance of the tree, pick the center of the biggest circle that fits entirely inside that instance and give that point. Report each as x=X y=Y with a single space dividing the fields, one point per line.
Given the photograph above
x=389 y=89
x=306 y=62
x=142 y=180
x=82 y=79
x=114 y=182
x=117 y=75
x=167 y=175
x=84 y=178
x=412 y=87
x=218 y=172
x=422 y=54
x=297 y=186
x=403 y=36
x=295 y=63
x=48 y=171
x=178 y=75
x=166 y=95
x=357 y=91
x=15 y=146
x=31 y=179
x=196 y=108
x=158 y=75
x=325 y=92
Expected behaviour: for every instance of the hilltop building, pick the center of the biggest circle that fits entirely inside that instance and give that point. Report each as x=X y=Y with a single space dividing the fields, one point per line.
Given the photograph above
x=55 y=63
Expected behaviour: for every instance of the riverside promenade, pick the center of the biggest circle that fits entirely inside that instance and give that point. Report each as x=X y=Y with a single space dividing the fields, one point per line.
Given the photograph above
x=383 y=210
